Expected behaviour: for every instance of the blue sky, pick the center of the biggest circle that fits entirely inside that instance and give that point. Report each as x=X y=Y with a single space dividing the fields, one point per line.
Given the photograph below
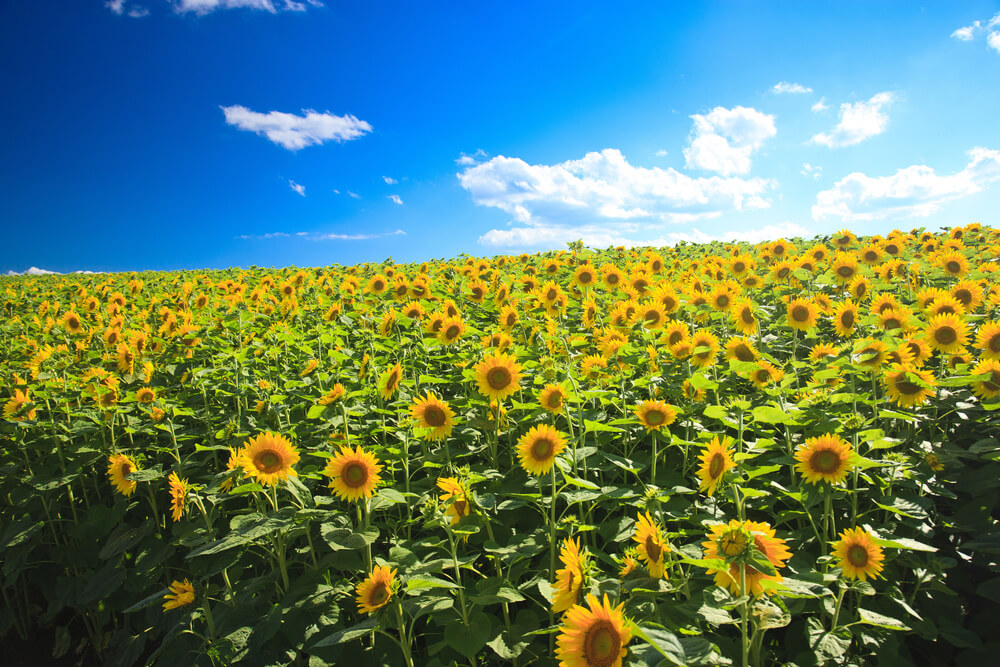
x=173 y=134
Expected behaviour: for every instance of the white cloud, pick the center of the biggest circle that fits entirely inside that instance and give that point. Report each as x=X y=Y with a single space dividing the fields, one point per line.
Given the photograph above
x=394 y=199
x=811 y=170
x=967 y=33
x=821 y=105
x=724 y=139
x=858 y=122
x=600 y=198
x=661 y=153
x=202 y=7
x=353 y=195
x=260 y=237
x=971 y=31
x=295 y=132
x=469 y=160
x=35 y=271
x=120 y=8
x=301 y=189
x=389 y=180
x=315 y=236
x=993 y=41
x=913 y=192
x=786 y=87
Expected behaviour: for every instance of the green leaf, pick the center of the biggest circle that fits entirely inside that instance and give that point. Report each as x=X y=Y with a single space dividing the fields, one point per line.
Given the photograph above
x=582 y=483
x=767 y=414
x=592 y=426
x=665 y=642
x=124 y=538
x=827 y=645
x=469 y=639
x=145 y=475
x=348 y=634
x=316 y=411
x=338 y=538
x=147 y=601
x=421 y=583
x=905 y=543
x=881 y=620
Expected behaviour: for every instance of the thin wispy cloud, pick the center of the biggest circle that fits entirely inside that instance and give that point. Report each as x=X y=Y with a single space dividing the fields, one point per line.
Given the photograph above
x=124 y=8
x=821 y=105
x=389 y=180
x=295 y=132
x=811 y=170
x=469 y=160
x=913 y=192
x=202 y=7
x=316 y=236
x=301 y=189
x=660 y=153
x=395 y=199
x=990 y=28
x=793 y=88
x=858 y=121
x=724 y=140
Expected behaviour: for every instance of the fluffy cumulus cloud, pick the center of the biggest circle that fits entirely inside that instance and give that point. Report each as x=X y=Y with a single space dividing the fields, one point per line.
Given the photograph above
x=786 y=87
x=858 y=122
x=990 y=28
x=724 y=140
x=201 y=7
x=295 y=132
x=913 y=192
x=601 y=198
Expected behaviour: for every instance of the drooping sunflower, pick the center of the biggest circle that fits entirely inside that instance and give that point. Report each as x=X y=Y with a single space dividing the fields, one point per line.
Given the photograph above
x=732 y=541
x=336 y=393
x=435 y=414
x=652 y=547
x=120 y=465
x=178 y=495
x=552 y=398
x=181 y=594
x=859 y=554
x=704 y=348
x=988 y=340
x=353 y=474
x=569 y=579
x=595 y=637
x=269 y=458
x=825 y=458
x=539 y=447
x=989 y=387
x=14 y=409
x=716 y=459
x=389 y=381
x=909 y=386
x=497 y=376
x=376 y=590
x=654 y=415
x=743 y=317
x=455 y=497
x=947 y=333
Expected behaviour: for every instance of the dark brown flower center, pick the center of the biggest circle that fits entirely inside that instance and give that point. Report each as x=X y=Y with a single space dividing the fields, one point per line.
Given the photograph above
x=655 y=417
x=945 y=335
x=743 y=352
x=268 y=461
x=653 y=550
x=739 y=267
x=845 y=271
x=963 y=295
x=857 y=555
x=541 y=449
x=498 y=378
x=126 y=469
x=452 y=332
x=825 y=461
x=379 y=595
x=652 y=317
x=800 y=313
x=746 y=315
x=554 y=400
x=434 y=416
x=354 y=475
x=907 y=388
x=716 y=465
x=847 y=318
x=953 y=266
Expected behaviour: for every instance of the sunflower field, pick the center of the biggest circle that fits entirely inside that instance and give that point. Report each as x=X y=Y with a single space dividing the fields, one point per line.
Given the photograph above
x=717 y=454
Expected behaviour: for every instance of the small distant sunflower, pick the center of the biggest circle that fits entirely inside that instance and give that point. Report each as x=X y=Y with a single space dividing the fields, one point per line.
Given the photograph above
x=456 y=498
x=909 y=386
x=269 y=458
x=740 y=349
x=451 y=330
x=732 y=542
x=353 y=474
x=990 y=387
x=569 y=579
x=674 y=333
x=14 y=409
x=552 y=398
x=508 y=317
x=376 y=590
x=919 y=350
x=539 y=447
x=652 y=546
x=801 y=314
x=954 y=264
x=389 y=381
x=595 y=637
x=654 y=415
x=651 y=315
x=498 y=376
x=716 y=459
x=743 y=317
x=120 y=465
x=181 y=594
x=593 y=366
x=988 y=340
x=845 y=317
x=947 y=333
x=825 y=458
x=145 y=395
x=823 y=350
x=336 y=393
x=859 y=554
x=704 y=348
x=178 y=495
x=766 y=373
x=435 y=414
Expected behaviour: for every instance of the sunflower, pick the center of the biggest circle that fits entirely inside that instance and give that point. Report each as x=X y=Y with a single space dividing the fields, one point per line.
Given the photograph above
x=552 y=398
x=869 y=353
x=909 y=386
x=353 y=474
x=860 y=555
x=594 y=637
x=895 y=321
x=825 y=458
x=858 y=287
x=593 y=366
x=376 y=590
x=14 y=408
x=119 y=466
x=990 y=387
x=716 y=459
x=584 y=276
x=919 y=350
x=844 y=267
x=743 y=317
x=954 y=264
x=654 y=415
x=389 y=381
x=178 y=495
x=732 y=542
x=845 y=317
x=822 y=350
x=740 y=349
x=988 y=340
x=269 y=457
x=72 y=323
x=336 y=393
x=969 y=293
x=667 y=297
x=145 y=395
x=613 y=276
x=765 y=374
x=498 y=376
x=456 y=498
x=508 y=317
x=385 y=327
x=946 y=333
x=569 y=579
x=435 y=414
x=652 y=315
x=539 y=447
x=181 y=594
x=451 y=330
x=704 y=348
x=652 y=546
x=844 y=239
x=945 y=304
x=477 y=291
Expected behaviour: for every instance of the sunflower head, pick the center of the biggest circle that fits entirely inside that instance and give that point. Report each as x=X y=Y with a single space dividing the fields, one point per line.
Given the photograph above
x=859 y=555
x=749 y=546
x=651 y=545
x=825 y=458
x=376 y=590
x=570 y=578
x=716 y=459
x=119 y=466
x=181 y=594
x=498 y=376
x=269 y=458
x=389 y=381
x=539 y=447
x=353 y=474
x=654 y=415
x=552 y=398
x=432 y=413
x=595 y=636
x=455 y=497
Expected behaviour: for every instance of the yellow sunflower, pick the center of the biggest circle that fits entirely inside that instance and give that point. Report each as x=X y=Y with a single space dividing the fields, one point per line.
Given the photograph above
x=859 y=554
x=269 y=458
x=376 y=590
x=456 y=497
x=743 y=317
x=654 y=415
x=451 y=330
x=870 y=354
x=988 y=340
x=845 y=317
x=652 y=546
x=14 y=409
x=595 y=637
x=946 y=333
x=989 y=387
x=72 y=323
x=569 y=579
x=552 y=398
x=336 y=393
x=716 y=459
x=801 y=314
x=740 y=349
x=435 y=414
x=178 y=495
x=844 y=267
x=353 y=474
x=181 y=594
x=539 y=447
x=825 y=458
x=593 y=366
x=119 y=466
x=909 y=386
x=765 y=374
x=732 y=542
x=704 y=348
x=145 y=395
x=498 y=376
x=389 y=381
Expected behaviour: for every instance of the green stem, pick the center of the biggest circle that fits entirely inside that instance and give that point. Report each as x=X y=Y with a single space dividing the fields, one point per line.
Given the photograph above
x=404 y=643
